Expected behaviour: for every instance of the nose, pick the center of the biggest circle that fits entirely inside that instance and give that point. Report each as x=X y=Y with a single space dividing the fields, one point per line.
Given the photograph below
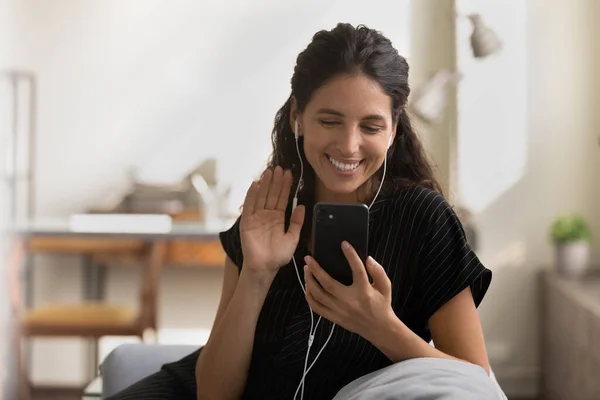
x=349 y=142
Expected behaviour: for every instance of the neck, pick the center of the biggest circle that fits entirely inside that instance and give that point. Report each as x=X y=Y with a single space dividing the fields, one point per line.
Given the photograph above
x=325 y=195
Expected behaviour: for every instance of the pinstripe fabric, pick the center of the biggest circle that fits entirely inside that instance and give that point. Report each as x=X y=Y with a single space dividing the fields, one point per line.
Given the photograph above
x=419 y=240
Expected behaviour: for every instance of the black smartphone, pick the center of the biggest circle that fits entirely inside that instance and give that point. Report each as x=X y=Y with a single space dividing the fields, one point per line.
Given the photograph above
x=332 y=224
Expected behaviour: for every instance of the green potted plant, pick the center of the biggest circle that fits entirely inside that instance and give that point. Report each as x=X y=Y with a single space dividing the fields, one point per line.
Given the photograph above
x=571 y=236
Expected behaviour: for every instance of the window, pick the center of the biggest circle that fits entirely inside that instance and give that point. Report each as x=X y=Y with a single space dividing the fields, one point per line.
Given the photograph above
x=492 y=104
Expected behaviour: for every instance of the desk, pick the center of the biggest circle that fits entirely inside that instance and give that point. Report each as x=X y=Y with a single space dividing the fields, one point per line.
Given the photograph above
x=58 y=236
x=46 y=236
x=178 y=230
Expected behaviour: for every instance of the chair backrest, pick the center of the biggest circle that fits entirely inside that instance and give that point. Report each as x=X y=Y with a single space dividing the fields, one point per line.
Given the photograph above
x=150 y=283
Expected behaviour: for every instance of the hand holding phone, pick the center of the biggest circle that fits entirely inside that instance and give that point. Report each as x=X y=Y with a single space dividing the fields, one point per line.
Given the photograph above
x=332 y=224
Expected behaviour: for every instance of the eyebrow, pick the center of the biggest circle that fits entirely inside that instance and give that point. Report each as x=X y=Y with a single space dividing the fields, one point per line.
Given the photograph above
x=330 y=111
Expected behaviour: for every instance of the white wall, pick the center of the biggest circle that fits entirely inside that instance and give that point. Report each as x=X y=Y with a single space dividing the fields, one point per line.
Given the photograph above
x=528 y=135
x=161 y=86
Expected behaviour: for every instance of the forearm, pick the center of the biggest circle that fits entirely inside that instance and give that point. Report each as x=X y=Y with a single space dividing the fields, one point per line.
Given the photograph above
x=222 y=367
x=399 y=343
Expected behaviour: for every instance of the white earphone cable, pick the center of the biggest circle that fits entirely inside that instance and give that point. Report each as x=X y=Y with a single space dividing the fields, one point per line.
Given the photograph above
x=296 y=134
x=313 y=327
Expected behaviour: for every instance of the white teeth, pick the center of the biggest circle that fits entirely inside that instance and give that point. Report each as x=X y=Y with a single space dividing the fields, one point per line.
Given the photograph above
x=343 y=166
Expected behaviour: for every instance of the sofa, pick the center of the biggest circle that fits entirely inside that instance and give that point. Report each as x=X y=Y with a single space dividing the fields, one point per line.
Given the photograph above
x=128 y=363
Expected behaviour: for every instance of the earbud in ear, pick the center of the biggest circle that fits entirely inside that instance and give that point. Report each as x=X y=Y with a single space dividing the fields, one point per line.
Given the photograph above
x=390 y=142
x=296 y=129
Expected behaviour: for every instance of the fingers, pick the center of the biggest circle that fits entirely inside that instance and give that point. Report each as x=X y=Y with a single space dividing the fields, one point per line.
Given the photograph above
x=263 y=190
x=275 y=188
x=296 y=221
x=381 y=282
x=319 y=308
x=315 y=290
x=359 y=274
x=317 y=299
x=273 y=191
x=284 y=195
x=328 y=283
x=248 y=207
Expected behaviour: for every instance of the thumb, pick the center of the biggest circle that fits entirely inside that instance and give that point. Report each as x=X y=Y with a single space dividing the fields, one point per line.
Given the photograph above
x=296 y=221
x=381 y=282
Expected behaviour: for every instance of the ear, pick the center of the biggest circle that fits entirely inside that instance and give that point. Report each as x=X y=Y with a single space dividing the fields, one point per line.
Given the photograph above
x=392 y=136
x=294 y=115
x=395 y=129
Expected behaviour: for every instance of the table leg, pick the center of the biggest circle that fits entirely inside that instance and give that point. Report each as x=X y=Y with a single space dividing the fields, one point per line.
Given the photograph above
x=94 y=277
x=94 y=284
x=28 y=279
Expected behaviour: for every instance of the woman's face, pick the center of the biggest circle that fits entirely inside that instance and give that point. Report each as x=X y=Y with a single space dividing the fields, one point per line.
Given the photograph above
x=347 y=126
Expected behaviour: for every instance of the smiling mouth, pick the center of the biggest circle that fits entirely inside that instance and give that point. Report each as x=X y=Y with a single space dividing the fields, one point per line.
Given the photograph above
x=344 y=167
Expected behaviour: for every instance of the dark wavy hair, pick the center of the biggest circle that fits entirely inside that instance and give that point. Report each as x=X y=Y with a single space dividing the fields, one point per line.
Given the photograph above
x=352 y=50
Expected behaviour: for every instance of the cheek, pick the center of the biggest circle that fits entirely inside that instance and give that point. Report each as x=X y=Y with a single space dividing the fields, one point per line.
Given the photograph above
x=376 y=151
x=315 y=142
x=312 y=152
x=310 y=148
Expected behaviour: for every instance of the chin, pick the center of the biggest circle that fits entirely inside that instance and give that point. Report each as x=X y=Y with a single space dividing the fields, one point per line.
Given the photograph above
x=340 y=188
x=341 y=183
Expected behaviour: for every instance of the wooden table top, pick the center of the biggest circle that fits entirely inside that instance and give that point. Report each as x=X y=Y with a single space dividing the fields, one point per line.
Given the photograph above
x=187 y=230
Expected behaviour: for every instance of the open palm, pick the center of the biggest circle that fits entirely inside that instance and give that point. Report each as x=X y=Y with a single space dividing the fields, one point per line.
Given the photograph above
x=265 y=243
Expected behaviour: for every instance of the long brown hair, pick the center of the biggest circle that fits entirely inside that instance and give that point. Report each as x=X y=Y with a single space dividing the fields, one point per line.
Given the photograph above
x=350 y=50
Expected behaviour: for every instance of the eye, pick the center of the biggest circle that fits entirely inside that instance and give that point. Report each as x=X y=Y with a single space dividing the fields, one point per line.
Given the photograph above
x=329 y=123
x=371 y=129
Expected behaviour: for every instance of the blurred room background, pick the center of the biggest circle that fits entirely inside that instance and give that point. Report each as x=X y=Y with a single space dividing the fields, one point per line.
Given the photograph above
x=166 y=108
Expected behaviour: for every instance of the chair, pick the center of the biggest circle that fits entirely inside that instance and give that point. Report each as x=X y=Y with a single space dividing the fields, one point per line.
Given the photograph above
x=90 y=319
x=131 y=362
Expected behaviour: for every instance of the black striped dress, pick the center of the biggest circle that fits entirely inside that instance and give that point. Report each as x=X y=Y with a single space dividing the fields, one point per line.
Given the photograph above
x=420 y=242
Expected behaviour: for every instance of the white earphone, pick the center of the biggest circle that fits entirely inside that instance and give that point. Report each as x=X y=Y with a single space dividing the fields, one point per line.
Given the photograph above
x=313 y=327
x=295 y=200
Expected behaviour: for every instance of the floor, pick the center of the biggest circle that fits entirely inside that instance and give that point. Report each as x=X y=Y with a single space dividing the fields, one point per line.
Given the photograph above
x=56 y=394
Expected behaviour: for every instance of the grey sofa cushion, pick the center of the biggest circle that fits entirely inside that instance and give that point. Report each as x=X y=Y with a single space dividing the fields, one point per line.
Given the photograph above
x=424 y=378
x=129 y=363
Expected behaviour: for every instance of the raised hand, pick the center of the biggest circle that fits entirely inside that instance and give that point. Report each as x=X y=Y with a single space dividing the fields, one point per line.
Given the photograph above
x=265 y=243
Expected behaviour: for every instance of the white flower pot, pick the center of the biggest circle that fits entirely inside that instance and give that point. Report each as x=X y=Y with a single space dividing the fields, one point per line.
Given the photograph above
x=572 y=258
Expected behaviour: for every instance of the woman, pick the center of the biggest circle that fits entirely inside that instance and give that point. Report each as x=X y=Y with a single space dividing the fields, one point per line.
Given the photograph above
x=347 y=113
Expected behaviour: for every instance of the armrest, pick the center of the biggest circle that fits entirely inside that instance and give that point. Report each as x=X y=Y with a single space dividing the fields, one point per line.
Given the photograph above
x=129 y=363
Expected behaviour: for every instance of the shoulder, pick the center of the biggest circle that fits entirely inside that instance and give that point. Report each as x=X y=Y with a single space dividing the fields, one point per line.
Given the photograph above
x=419 y=197
x=232 y=244
x=443 y=262
x=424 y=205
